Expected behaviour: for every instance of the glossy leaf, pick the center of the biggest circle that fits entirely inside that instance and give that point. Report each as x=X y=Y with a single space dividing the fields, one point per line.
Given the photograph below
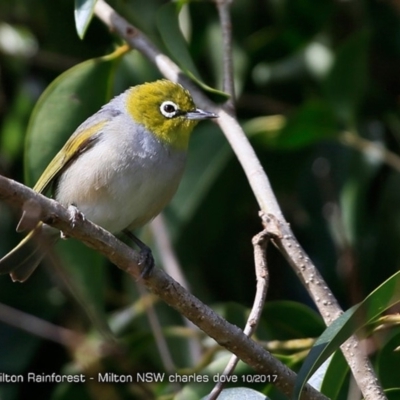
x=318 y=376
x=277 y=317
x=168 y=25
x=83 y=15
x=335 y=376
x=385 y=296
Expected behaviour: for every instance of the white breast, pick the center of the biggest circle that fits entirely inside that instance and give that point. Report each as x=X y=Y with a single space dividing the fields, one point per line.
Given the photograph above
x=124 y=180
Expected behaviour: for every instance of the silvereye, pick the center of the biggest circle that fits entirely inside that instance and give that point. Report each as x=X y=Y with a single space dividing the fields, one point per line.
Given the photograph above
x=120 y=167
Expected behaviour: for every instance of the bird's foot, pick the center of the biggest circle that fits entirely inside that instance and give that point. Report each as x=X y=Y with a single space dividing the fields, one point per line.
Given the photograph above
x=74 y=216
x=146 y=262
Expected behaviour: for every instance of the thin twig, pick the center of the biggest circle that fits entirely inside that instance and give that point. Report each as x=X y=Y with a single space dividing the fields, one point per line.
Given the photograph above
x=260 y=242
x=223 y=7
x=40 y=327
x=328 y=306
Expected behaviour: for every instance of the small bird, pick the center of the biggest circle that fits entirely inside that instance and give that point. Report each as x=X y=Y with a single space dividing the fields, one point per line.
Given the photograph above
x=120 y=167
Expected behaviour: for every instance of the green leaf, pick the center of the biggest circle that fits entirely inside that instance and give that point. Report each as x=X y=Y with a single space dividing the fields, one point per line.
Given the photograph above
x=168 y=25
x=311 y=123
x=67 y=102
x=346 y=83
x=385 y=296
x=388 y=361
x=277 y=317
x=83 y=15
x=335 y=376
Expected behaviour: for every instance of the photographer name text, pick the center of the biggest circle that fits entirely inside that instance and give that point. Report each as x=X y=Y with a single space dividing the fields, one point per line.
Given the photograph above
x=140 y=377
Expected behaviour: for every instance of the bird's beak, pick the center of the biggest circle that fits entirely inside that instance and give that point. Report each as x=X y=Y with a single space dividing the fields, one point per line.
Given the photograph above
x=200 y=114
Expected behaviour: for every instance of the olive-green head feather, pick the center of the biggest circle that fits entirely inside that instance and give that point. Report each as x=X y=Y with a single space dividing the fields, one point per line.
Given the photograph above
x=167 y=110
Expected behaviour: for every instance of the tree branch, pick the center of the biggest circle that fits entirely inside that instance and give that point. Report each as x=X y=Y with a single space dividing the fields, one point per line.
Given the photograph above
x=289 y=246
x=159 y=283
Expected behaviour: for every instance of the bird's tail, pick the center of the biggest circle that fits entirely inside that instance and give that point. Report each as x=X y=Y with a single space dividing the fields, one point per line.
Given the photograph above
x=21 y=261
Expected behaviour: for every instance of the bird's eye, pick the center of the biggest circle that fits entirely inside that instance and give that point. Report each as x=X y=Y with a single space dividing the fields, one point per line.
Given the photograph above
x=169 y=109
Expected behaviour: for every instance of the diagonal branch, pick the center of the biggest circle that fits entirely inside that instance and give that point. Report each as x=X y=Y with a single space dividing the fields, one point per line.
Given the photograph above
x=323 y=297
x=159 y=283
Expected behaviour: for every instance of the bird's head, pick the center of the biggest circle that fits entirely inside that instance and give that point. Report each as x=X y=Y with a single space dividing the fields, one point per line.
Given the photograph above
x=165 y=109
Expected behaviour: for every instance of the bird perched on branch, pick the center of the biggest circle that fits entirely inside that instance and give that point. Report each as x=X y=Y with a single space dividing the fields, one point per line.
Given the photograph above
x=120 y=168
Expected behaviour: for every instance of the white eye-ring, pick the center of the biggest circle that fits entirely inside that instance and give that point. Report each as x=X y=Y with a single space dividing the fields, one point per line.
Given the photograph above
x=169 y=109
